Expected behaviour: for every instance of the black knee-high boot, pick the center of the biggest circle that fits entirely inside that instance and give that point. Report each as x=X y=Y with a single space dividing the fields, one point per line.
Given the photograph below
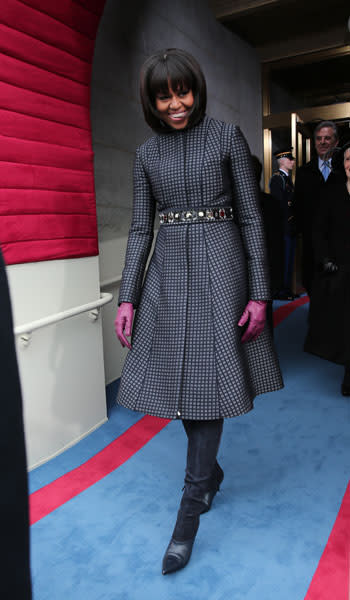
x=217 y=475
x=203 y=443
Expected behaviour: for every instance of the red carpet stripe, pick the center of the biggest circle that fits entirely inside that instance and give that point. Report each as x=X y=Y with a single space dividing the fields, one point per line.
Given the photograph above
x=286 y=309
x=332 y=577
x=48 y=498
x=56 y=493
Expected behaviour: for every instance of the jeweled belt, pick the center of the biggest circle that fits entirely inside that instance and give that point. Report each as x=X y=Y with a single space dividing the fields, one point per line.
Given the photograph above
x=198 y=215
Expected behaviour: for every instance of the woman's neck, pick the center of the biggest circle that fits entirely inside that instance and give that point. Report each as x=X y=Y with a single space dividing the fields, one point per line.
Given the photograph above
x=348 y=185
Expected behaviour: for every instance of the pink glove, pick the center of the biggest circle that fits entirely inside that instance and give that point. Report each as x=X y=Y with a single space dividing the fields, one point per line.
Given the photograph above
x=255 y=312
x=123 y=322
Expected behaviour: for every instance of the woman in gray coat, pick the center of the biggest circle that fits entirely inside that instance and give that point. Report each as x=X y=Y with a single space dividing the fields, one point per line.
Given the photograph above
x=200 y=350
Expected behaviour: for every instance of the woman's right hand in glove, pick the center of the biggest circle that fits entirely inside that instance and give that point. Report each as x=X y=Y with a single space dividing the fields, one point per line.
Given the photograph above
x=123 y=323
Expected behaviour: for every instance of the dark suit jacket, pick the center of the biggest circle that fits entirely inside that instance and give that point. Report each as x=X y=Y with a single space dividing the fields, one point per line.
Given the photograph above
x=14 y=565
x=282 y=189
x=309 y=185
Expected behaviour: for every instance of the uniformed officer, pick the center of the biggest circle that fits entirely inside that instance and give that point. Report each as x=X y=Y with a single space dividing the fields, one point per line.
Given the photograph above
x=282 y=189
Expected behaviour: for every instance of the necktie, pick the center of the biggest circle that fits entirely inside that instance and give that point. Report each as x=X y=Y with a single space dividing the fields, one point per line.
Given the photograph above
x=325 y=169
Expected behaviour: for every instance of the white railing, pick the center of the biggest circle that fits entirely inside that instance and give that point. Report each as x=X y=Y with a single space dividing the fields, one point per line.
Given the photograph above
x=25 y=331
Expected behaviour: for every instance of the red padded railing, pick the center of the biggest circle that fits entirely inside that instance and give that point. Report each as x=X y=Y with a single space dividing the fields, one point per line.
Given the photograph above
x=47 y=194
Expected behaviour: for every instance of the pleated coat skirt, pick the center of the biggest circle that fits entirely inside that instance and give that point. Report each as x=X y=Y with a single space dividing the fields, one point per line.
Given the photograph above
x=187 y=359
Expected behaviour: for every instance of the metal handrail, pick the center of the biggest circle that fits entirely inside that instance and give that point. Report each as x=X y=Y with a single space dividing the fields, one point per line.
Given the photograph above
x=28 y=328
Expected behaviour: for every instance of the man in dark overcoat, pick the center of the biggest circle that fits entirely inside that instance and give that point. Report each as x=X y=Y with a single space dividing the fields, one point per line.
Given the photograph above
x=14 y=525
x=311 y=179
x=329 y=318
x=282 y=189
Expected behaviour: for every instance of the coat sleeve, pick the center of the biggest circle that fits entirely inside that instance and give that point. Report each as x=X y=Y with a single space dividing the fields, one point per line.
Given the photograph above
x=247 y=214
x=277 y=191
x=140 y=235
x=276 y=188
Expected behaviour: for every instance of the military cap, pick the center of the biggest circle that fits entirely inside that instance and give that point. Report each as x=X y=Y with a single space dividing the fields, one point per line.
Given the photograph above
x=286 y=153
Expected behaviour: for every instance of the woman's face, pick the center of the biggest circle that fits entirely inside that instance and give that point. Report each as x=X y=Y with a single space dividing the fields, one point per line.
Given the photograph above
x=347 y=163
x=174 y=107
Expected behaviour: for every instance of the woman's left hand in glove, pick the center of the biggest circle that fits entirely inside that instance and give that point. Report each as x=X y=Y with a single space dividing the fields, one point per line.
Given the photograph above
x=255 y=315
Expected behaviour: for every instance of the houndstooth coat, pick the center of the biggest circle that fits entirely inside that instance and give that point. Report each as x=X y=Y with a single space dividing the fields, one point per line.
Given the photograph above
x=187 y=360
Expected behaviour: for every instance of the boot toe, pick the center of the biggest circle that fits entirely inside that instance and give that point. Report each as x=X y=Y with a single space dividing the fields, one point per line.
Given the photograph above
x=171 y=564
x=176 y=556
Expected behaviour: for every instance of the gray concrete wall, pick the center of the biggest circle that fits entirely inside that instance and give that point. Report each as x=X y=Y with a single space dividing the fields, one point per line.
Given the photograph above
x=128 y=33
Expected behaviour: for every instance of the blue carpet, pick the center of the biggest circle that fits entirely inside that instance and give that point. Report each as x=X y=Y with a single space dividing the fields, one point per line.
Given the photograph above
x=286 y=470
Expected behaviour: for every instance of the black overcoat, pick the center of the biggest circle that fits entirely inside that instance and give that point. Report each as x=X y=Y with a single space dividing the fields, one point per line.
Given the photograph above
x=309 y=186
x=329 y=319
x=187 y=360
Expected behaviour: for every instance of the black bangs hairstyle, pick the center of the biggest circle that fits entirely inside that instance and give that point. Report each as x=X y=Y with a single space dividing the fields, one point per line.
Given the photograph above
x=182 y=71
